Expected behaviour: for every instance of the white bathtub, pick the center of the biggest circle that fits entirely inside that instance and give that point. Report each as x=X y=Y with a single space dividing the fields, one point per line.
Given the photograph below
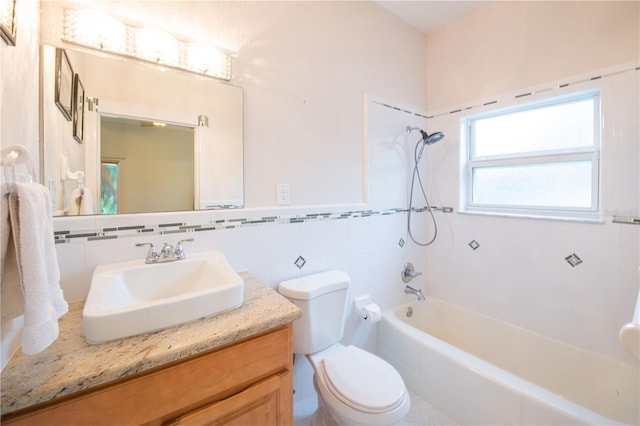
x=480 y=370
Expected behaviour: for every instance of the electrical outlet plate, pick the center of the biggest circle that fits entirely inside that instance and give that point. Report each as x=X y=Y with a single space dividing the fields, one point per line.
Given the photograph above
x=283 y=194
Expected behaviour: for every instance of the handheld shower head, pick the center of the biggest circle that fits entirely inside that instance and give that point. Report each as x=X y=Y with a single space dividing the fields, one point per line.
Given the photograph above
x=427 y=139
x=432 y=138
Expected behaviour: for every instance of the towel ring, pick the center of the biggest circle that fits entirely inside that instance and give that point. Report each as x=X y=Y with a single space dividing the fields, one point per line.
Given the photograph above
x=13 y=156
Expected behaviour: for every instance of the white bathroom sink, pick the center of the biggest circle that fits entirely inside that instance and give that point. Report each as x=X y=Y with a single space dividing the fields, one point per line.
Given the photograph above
x=129 y=298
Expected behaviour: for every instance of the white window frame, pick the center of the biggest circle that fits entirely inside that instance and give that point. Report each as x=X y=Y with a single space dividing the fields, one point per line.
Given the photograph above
x=587 y=153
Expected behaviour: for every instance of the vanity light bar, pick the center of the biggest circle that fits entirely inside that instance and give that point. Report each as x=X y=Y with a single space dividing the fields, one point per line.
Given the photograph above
x=96 y=30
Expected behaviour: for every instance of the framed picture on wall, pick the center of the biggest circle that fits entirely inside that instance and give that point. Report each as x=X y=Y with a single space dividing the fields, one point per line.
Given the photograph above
x=64 y=84
x=78 y=109
x=8 y=21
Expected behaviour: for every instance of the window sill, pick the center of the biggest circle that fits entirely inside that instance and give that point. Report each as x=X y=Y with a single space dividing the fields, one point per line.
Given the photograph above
x=575 y=219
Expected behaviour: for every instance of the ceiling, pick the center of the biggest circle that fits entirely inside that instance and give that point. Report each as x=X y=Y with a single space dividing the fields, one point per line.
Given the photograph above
x=428 y=15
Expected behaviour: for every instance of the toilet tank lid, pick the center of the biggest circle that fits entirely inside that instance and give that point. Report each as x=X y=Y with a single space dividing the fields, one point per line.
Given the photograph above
x=311 y=286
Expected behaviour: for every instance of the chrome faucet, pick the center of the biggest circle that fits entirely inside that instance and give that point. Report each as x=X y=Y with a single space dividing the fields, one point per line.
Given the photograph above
x=418 y=292
x=168 y=253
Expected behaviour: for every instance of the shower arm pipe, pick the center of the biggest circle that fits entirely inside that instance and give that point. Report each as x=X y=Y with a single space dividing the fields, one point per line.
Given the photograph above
x=427 y=139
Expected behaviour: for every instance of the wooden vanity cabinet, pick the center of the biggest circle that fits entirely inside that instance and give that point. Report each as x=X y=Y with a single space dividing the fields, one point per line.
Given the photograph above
x=246 y=383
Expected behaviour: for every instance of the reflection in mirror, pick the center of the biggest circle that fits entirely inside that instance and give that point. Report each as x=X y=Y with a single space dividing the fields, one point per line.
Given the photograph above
x=145 y=166
x=119 y=95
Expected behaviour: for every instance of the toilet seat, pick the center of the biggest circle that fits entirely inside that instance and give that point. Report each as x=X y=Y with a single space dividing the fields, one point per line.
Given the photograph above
x=362 y=380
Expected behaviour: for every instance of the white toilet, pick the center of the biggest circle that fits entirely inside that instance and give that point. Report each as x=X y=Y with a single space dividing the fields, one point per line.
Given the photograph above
x=354 y=387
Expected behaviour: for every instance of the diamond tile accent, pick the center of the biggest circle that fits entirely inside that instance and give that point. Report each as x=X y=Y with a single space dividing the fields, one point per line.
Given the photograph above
x=573 y=260
x=401 y=242
x=300 y=261
x=474 y=245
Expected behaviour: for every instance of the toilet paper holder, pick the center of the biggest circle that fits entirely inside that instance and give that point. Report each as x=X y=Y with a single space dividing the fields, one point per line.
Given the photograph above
x=365 y=309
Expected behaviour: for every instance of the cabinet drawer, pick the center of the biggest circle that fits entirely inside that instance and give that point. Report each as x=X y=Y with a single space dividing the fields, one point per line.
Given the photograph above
x=170 y=391
x=260 y=404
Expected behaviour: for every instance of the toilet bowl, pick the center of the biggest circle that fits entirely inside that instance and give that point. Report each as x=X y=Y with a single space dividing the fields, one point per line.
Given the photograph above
x=354 y=387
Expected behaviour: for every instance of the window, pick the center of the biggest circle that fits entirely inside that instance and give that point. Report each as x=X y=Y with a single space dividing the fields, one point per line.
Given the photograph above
x=536 y=159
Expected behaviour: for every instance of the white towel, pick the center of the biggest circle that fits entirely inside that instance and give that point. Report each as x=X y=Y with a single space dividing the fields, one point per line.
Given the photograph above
x=32 y=234
x=11 y=300
x=86 y=202
x=80 y=202
x=75 y=199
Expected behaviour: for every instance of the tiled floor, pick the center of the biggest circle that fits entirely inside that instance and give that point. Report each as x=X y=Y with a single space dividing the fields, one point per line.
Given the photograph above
x=420 y=413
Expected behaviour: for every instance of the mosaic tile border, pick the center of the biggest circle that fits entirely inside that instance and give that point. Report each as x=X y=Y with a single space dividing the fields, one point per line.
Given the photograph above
x=110 y=233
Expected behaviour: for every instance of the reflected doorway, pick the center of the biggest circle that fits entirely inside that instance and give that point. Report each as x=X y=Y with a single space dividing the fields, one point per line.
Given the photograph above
x=145 y=166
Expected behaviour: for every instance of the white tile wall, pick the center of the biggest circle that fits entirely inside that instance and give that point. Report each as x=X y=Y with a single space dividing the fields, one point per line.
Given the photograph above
x=519 y=273
x=365 y=247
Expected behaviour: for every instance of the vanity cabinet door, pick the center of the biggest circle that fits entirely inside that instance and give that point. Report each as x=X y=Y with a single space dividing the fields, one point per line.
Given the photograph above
x=260 y=404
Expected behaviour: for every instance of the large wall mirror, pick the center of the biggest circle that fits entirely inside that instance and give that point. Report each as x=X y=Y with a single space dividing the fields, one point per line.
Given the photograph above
x=136 y=138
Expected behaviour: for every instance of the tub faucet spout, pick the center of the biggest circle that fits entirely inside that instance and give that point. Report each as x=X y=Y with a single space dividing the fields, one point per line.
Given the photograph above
x=418 y=292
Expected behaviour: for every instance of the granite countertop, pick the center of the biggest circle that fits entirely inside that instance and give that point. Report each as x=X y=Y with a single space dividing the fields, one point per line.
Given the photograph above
x=71 y=364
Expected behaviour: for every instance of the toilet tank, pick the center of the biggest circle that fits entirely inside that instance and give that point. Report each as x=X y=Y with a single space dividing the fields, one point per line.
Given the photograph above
x=322 y=298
